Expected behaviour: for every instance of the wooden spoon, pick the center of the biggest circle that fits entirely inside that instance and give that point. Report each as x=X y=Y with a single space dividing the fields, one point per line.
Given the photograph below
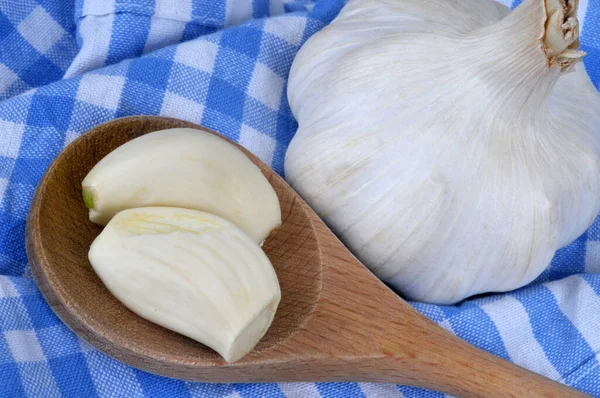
x=336 y=320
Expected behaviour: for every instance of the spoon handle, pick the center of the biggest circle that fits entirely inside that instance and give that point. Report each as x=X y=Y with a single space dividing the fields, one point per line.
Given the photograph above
x=466 y=371
x=441 y=361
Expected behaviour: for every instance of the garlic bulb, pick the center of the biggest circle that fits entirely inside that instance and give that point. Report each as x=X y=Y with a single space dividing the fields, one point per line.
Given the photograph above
x=452 y=145
x=192 y=272
x=185 y=168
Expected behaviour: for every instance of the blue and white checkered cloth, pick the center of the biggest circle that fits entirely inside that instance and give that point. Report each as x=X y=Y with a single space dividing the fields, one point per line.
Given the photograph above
x=66 y=66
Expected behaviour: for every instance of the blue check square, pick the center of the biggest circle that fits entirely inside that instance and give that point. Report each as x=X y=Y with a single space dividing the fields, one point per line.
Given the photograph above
x=223 y=97
x=153 y=71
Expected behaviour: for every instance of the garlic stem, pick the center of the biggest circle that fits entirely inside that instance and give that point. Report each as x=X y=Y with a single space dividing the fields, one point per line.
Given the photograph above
x=528 y=50
x=562 y=33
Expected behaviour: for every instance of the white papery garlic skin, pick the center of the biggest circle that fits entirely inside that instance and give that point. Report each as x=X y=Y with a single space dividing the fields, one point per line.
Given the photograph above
x=185 y=168
x=192 y=272
x=451 y=144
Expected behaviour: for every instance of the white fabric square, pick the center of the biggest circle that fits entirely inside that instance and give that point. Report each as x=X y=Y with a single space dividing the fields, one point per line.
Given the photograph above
x=3 y=185
x=6 y=287
x=24 y=346
x=95 y=7
x=299 y=390
x=10 y=138
x=38 y=380
x=579 y=302
x=237 y=11
x=513 y=324
x=582 y=12
x=182 y=108
x=70 y=136
x=101 y=90
x=290 y=29
x=7 y=77
x=266 y=86
x=40 y=30
x=181 y=10
x=592 y=257
x=376 y=390
x=163 y=33
x=96 y=32
x=199 y=54
x=258 y=143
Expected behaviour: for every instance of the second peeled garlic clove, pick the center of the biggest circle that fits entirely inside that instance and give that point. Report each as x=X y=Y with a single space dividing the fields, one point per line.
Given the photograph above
x=192 y=272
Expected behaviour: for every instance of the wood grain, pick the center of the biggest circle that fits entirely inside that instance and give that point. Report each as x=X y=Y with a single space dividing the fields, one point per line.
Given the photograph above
x=336 y=321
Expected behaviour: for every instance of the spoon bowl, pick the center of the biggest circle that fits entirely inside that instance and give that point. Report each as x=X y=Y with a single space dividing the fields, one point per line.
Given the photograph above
x=336 y=321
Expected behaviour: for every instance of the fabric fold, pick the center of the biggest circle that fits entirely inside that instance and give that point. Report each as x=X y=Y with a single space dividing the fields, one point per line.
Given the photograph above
x=66 y=67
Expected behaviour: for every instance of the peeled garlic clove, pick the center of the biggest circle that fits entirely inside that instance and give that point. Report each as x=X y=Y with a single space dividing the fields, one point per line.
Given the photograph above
x=191 y=272
x=184 y=168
